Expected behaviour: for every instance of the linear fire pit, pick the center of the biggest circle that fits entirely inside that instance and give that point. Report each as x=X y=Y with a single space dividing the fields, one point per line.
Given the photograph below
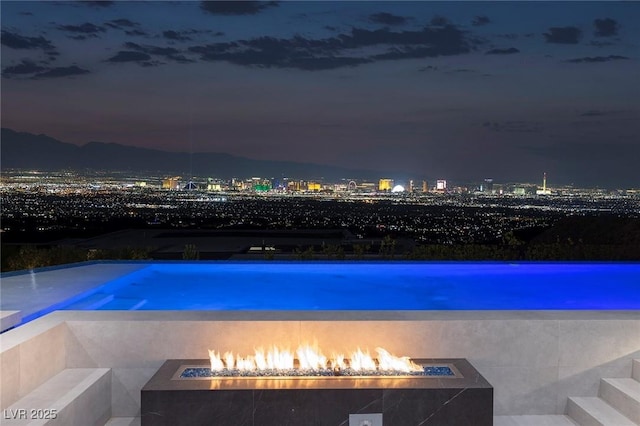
x=186 y=392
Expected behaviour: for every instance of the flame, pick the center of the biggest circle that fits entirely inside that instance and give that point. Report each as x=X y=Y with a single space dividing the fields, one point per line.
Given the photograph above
x=311 y=358
x=362 y=361
x=387 y=361
x=338 y=362
x=216 y=361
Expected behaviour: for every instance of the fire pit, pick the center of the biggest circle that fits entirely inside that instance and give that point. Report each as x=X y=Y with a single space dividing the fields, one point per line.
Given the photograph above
x=311 y=362
x=324 y=392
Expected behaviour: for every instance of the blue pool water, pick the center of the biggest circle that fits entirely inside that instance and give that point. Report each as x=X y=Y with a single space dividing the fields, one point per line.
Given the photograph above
x=372 y=286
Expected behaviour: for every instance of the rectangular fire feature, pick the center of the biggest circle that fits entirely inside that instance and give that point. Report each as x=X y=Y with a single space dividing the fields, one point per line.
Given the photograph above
x=458 y=397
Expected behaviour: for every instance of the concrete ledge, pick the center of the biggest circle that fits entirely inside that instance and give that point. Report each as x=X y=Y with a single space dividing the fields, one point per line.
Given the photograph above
x=593 y=411
x=318 y=315
x=73 y=397
x=9 y=319
x=623 y=395
x=123 y=421
x=542 y=420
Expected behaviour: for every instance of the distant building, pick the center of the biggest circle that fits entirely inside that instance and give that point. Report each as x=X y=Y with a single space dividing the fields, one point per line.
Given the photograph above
x=385 y=184
x=277 y=184
x=314 y=186
x=425 y=186
x=294 y=185
x=487 y=186
x=367 y=187
x=262 y=186
x=544 y=190
x=340 y=187
x=171 y=183
x=237 y=184
x=441 y=185
x=191 y=186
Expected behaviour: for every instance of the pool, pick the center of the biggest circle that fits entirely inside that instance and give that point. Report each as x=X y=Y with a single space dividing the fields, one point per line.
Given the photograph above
x=369 y=286
x=539 y=332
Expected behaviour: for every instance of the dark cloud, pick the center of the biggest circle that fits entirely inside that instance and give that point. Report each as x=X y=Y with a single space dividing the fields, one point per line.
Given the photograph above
x=128 y=56
x=606 y=27
x=305 y=53
x=599 y=43
x=167 y=52
x=235 y=7
x=603 y=113
x=592 y=59
x=186 y=35
x=148 y=64
x=435 y=41
x=509 y=36
x=61 y=72
x=16 y=41
x=180 y=58
x=440 y=21
x=407 y=52
x=102 y=3
x=25 y=67
x=124 y=22
x=26 y=13
x=121 y=23
x=387 y=18
x=428 y=68
x=136 y=33
x=460 y=70
x=86 y=28
x=593 y=113
x=513 y=126
x=175 y=35
x=152 y=50
x=480 y=20
x=508 y=51
x=40 y=72
x=563 y=35
x=83 y=37
x=260 y=58
x=328 y=62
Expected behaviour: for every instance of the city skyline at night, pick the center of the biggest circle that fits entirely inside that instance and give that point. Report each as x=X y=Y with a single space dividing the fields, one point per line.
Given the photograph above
x=462 y=90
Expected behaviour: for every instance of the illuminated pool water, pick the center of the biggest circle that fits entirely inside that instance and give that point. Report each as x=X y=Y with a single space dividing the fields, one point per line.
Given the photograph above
x=371 y=286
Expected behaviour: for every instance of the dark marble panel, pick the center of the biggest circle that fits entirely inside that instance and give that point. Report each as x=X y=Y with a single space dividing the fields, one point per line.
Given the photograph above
x=438 y=407
x=319 y=407
x=195 y=408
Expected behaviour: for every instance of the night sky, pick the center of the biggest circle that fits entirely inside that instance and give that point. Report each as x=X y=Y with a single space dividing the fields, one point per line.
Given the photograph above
x=457 y=90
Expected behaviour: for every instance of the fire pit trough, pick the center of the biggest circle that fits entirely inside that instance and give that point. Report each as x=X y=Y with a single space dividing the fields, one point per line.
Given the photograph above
x=446 y=392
